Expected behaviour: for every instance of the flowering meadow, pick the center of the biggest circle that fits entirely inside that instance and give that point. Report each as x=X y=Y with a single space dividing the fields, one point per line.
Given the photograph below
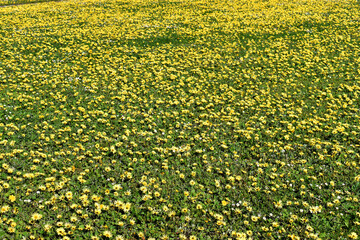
x=209 y=119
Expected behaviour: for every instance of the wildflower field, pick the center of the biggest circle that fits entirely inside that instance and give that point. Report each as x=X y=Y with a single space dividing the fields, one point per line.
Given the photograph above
x=209 y=119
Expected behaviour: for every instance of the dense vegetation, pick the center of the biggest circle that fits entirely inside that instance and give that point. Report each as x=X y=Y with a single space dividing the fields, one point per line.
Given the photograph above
x=142 y=119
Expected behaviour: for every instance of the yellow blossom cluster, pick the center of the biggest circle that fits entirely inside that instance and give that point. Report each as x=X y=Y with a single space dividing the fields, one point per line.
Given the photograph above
x=142 y=119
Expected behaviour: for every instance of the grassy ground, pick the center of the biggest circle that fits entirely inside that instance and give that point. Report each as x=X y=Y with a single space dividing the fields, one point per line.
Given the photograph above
x=180 y=120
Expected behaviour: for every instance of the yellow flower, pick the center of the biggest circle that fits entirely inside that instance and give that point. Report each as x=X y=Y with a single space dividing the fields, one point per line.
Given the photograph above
x=88 y=227
x=127 y=207
x=315 y=209
x=241 y=236
x=95 y=198
x=11 y=230
x=278 y=204
x=220 y=223
x=309 y=228
x=143 y=189
x=4 y=208
x=12 y=198
x=47 y=227
x=61 y=231
x=36 y=216
x=107 y=234
x=353 y=235
x=97 y=211
x=293 y=237
x=69 y=195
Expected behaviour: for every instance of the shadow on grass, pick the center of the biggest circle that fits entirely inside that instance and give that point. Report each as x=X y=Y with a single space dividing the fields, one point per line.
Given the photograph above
x=20 y=2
